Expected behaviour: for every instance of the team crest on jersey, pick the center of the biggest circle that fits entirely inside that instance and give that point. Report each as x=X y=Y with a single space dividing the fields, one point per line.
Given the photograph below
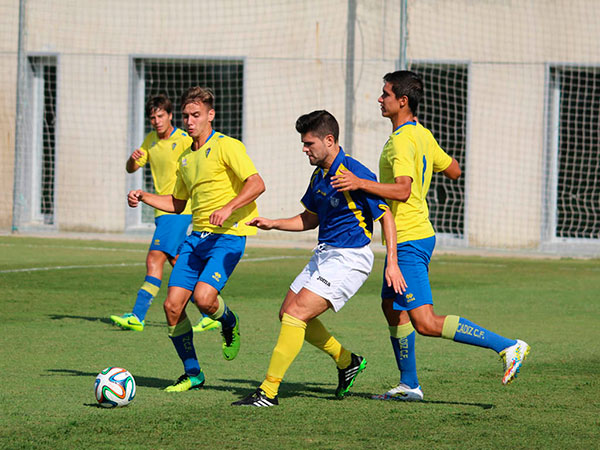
x=207 y=151
x=334 y=202
x=184 y=162
x=153 y=144
x=174 y=145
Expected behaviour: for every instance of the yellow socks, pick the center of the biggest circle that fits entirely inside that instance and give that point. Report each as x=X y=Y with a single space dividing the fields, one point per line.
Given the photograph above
x=291 y=338
x=317 y=335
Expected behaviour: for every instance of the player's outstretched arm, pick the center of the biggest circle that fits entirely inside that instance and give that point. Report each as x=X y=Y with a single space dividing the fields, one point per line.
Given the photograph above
x=253 y=187
x=393 y=275
x=166 y=203
x=301 y=222
x=398 y=191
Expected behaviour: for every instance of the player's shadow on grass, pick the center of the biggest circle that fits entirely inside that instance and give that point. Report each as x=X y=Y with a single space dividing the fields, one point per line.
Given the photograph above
x=425 y=402
x=140 y=380
x=86 y=318
x=289 y=389
x=105 y=320
x=315 y=390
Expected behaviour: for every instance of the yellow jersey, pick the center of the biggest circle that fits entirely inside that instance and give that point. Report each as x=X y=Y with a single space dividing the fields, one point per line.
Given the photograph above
x=211 y=177
x=163 y=155
x=412 y=151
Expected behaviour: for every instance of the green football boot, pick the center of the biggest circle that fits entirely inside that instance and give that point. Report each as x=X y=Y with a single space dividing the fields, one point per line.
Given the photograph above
x=206 y=324
x=128 y=322
x=347 y=376
x=231 y=340
x=186 y=383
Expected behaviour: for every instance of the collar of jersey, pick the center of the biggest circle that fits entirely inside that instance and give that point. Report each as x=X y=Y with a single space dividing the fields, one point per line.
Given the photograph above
x=211 y=135
x=336 y=163
x=405 y=123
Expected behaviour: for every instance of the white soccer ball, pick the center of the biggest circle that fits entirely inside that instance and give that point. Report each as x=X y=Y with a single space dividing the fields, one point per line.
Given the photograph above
x=114 y=387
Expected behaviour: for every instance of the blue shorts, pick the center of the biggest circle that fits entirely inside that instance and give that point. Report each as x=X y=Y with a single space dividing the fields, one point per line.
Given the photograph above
x=413 y=260
x=171 y=231
x=207 y=257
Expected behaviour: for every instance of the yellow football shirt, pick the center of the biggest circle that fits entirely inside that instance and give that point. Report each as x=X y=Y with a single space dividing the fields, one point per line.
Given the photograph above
x=412 y=151
x=163 y=155
x=211 y=177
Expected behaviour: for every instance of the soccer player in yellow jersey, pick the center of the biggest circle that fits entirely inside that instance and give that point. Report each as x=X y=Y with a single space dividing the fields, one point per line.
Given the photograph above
x=408 y=160
x=219 y=181
x=162 y=147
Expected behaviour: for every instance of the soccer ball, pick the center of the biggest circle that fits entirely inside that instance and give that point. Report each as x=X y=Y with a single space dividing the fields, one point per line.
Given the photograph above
x=114 y=387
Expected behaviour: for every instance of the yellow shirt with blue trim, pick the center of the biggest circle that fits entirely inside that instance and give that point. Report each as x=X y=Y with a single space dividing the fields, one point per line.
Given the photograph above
x=345 y=218
x=412 y=151
x=163 y=155
x=211 y=177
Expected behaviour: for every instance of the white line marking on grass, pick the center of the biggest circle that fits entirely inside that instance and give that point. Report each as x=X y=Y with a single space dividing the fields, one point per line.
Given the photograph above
x=469 y=263
x=271 y=258
x=106 y=249
x=96 y=266
x=591 y=269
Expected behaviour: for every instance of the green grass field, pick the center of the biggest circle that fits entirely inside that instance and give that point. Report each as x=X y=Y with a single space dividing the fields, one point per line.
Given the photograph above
x=56 y=296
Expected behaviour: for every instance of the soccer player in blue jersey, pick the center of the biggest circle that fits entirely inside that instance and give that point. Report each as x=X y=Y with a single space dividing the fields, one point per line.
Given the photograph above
x=340 y=264
x=407 y=163
x=162 y=147
x=217 y=177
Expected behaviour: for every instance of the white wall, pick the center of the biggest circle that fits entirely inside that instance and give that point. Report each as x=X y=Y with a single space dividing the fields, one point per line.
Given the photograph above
x=294 y=55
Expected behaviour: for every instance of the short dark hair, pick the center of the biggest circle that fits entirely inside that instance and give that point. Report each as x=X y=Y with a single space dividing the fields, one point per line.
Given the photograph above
x=197 y=94
x=321 y=123
x=406 y=83
x=160 y=101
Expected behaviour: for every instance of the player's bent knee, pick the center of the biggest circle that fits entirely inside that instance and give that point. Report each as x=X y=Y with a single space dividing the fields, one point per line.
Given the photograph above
x=294 y=310
x=172 y=308
x=206 y=303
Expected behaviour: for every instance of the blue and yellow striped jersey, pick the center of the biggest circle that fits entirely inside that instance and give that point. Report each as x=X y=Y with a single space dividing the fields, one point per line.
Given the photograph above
x=211 y=177
x=345 y=218
x=412 y=151
x=163 y=155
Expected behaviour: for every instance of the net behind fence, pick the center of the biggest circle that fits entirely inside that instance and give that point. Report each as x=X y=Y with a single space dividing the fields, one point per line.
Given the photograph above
x=513 y=100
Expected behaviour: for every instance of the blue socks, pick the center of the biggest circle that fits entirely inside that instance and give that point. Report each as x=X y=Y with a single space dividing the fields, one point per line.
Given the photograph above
x=223 y=314
x=145 y=296
x=182 y=337
x=227 y=319
x=403 y=343
x=455 y=328
x=464 y=331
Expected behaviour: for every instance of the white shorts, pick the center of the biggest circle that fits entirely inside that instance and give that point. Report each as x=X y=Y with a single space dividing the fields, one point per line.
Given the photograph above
x=335 y=273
